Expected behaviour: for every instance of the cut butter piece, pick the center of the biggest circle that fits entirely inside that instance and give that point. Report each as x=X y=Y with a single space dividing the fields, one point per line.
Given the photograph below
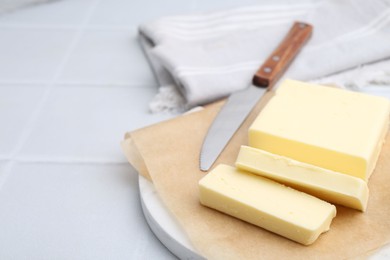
x=332 y=128
x=325 y=184
x=266 y=203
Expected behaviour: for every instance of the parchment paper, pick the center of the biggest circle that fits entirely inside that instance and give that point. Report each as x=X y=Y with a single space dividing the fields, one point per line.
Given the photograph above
x=168 y=154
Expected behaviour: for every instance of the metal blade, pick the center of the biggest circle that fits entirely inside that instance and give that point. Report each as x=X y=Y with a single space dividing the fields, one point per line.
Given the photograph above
x=227 y=122
x=241 y=103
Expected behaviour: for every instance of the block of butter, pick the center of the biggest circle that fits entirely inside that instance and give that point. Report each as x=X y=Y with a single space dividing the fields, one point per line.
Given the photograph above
x=266 y=203
x=328 y=127
x=325 y=184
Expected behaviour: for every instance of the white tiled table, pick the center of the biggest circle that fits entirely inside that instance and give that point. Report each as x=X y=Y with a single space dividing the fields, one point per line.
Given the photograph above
x=73 y=80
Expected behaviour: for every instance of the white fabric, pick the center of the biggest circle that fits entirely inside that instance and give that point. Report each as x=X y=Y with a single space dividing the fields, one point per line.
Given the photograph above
x=208 y=56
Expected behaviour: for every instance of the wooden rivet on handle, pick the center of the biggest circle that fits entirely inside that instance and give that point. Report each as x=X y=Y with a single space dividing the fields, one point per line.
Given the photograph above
x=272 y=69
x=302 y=25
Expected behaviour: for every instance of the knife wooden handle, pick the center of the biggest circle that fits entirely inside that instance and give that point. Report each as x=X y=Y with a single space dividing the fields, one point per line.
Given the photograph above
x=283 y=55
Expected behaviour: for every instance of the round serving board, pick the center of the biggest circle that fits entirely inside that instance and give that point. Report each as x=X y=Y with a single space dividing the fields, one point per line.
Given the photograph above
x=163 y=224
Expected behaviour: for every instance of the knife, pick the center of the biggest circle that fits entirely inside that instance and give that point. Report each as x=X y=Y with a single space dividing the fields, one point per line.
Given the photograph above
x=240 y=103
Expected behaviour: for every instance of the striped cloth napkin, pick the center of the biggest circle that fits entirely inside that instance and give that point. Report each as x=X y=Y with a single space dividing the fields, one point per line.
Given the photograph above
x=200 y=58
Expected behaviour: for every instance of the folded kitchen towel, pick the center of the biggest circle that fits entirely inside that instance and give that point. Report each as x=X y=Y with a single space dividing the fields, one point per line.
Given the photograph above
x=200 y=58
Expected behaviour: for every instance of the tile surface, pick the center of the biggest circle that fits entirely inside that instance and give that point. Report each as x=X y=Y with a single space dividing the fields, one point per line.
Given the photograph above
x=5 y=165
x=69 y=90
x=72 y=13
x=107 y=57
x=124 y=12
x=74 y=212
x=88 y=123
x=32 y=54
x=17 y=105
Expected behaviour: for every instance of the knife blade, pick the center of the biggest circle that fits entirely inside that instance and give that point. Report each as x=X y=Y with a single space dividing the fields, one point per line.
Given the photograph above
x=240 y=103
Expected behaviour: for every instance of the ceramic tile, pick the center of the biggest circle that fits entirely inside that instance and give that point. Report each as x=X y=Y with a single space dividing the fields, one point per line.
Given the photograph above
x=74 y=212
x=4 y=168
x=31 y=54
x=128 y=12
x=17 y=104
x=61 y=12
x=88 y=123
x=104 y=56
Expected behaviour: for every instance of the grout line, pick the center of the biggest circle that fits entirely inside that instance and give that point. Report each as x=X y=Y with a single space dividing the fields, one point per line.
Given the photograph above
x=64 y=160
x=21 y=26
x=21 y=83
x=34 y=117
x=90 y=161
x=115 y=85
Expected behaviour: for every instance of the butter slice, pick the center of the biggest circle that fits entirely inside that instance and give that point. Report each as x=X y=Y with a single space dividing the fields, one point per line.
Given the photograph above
x=325 y=184
x=266 y=203
x=328 y=127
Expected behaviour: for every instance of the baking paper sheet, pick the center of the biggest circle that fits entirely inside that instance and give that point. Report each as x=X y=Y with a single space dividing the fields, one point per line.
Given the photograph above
x=168 y=154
